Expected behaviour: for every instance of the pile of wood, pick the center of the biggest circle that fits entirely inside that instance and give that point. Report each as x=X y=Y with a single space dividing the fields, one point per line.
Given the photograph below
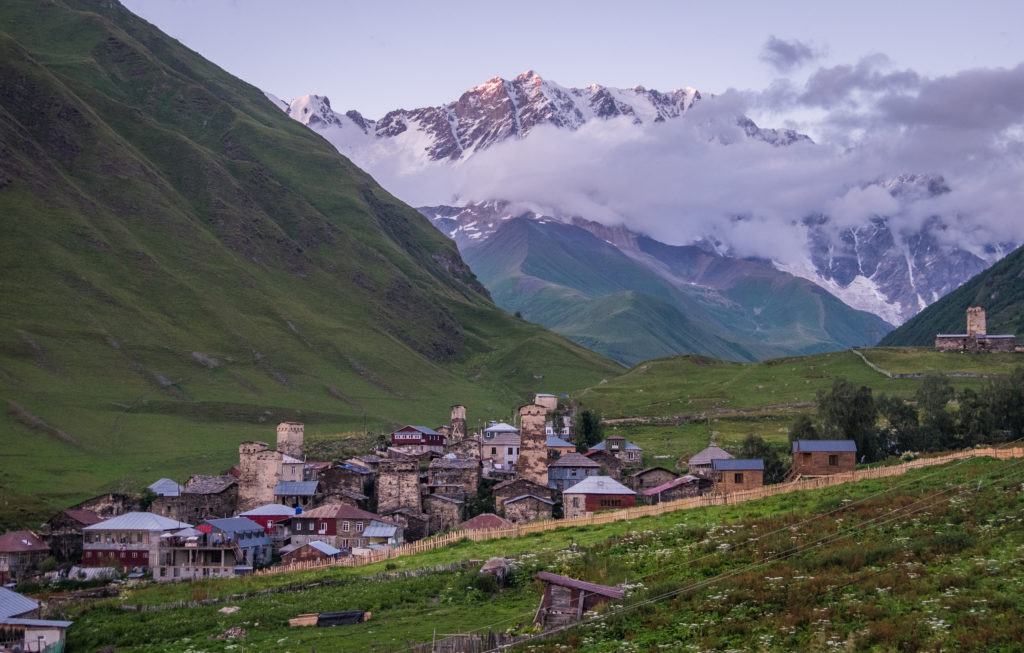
x=325 y=619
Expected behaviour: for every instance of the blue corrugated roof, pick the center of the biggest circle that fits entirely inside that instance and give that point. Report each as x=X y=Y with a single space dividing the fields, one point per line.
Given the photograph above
x=13 y=604
x=235 y=525
x=295 y=488
x=809 y=446
x=737 y=464
x=555 y=441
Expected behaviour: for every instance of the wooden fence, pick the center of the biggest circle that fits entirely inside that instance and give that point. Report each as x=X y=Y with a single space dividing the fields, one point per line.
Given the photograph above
x=609 y=516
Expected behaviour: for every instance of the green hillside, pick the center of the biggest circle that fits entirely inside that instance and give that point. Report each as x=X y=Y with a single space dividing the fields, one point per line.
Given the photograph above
x=184 y=266
x=999 y=289
x=662 y=300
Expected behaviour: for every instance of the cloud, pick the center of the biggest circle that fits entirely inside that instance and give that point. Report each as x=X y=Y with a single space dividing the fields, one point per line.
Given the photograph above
x=836 y=86
x=785 y=56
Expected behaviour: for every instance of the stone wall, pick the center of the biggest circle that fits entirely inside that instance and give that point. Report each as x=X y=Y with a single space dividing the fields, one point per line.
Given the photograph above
x=290 y=438
x=976 y=321
x=815 y=463
x=444 y=512
x=527 y=509
x=259 y=469
x=532 y=463
x=398 y=485
x=457 y=428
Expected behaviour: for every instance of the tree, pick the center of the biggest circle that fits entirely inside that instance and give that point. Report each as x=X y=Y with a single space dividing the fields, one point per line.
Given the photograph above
x=1006 y=399
x=803 y=429
x=903 y=432
x=847 y=412
x=588 y=429
x=975 y=422
x=938 y=428
x=776 y=466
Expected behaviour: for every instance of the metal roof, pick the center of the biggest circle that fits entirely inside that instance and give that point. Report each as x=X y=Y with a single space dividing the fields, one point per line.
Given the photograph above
x=22 y=542
x=338 y=511
x=235 y=525
x=295 y=488
x=324 y=548
x=627 y=444
x=806 y=446
x=738 y=465
x=711 y=452
x=269 y=510
x=503 y=438
x=82 y=516
x=599 y=485
x=379 y=529
x=12 y=604
x=425 y=430
x=501 y=427
x=37 y=623
x=165 y=487
x=573 y=460
x=555 y=441
x=668 y=485
x=138 y=521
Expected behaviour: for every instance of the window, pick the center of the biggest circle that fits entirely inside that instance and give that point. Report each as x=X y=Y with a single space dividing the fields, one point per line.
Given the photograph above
x=575 y=502
x=833 y=460
x=510 y=451
x=323 y=527
x=737 y=478
x=345 y=526
x=359 y=526
x=494 y=451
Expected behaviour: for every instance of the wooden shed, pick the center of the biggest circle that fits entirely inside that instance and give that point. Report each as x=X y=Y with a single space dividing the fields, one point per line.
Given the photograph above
x=823 y=457
x=566 y=599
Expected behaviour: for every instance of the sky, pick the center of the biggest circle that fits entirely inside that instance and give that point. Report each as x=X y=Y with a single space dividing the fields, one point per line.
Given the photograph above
x=375 y=57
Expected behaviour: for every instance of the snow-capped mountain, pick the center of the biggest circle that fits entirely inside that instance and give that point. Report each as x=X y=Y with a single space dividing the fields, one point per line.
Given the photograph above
x=498 y=110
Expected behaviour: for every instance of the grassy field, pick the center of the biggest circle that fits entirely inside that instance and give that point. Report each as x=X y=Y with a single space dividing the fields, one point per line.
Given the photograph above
x=690 y=385
x=926 y=561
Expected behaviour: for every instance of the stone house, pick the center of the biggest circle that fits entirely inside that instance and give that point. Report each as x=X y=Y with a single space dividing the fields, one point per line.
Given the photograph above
x=444 y=512
x=63 y=532
x=700 y=462
x=558 y=447
x=517 y=487
x=484 y=522
x=339 y=525
x=349 y=476
x=259 y=470
x=417 y=440
x=201 y=497
x=129 y=541
x=977 y=339
x=570 y=469
x=532 y=463
x=596 y=493
x=109 y=505
x=737 y=474
x=415 y=525
x=823 y=457
x=468 y=448
x=315 y=550
x=21 y=553
x=650 y=477
x=611 y=465
x=527 y=508
x=678 y=488
x=453 y=476
x=630 y=454
x=398 y=485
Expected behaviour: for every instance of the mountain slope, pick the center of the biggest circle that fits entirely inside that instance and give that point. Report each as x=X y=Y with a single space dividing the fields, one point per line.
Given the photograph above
x=184 y=266
x=999 y=290
x=633 y=298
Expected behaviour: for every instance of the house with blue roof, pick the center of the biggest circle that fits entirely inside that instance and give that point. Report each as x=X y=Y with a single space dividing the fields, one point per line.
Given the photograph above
x=823 y=457
x=216 y=548
x=737 y=474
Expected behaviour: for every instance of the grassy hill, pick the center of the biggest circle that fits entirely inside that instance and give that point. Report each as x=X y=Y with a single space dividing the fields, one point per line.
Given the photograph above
x=660 y=300
x=999 y=289
x=184 y=266
x=925 y=561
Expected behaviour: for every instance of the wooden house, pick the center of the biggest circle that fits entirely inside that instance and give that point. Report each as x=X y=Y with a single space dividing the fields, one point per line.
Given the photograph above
x=566 y=600
x=569 y=469
x=736 y=474
x=823 y=457
x=417 y=440
x=678 y=488
x=650 y=477
x=314 y=550
x=63 y=532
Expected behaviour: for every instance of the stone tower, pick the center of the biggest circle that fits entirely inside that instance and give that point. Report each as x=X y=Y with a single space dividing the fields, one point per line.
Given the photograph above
x=976 y=321
x=290 y=436
x=457 y=430
x=398 y=485
x=258 y=470
x=533 y=450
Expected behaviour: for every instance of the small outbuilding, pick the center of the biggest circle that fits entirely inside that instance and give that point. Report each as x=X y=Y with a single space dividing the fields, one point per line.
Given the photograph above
x=312 y=550
x=678 y=488
x=650 y=477
x=565 y=599
x=737 y=474
x=823 y=457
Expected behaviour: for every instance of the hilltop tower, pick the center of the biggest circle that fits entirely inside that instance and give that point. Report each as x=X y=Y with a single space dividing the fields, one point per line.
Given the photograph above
x=976 y=321
x=457 y=428
x=533 y=450
x=290 y=436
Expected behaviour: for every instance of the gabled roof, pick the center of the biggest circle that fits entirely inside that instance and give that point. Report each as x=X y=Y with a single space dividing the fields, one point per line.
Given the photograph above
x=200 y=484
x=290 y=460
x=425 y=430
x=138 y=521
x=648 y=470
x=573 y=460
x=502 y=438
x=165 y=487
x=555 y=441
x=13 y=604
x=37 y=623
x=501 y=427
x=485 y=521
x=380 y=529
x=591 y=588
x=676 y=482
x=524 y=481
x=599 y=485
x=21 y=542
x=626 y=444
x=324 y=548
x=269 y=510
x=82 y=516
x=295 y=488
x=832 y=446
x=738 y=465
x=338 y=511
x=235 y=525
x=705 y=456
x=530 y=496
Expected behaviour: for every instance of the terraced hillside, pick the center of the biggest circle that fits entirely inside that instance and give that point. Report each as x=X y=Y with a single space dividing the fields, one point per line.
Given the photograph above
x=184 y=266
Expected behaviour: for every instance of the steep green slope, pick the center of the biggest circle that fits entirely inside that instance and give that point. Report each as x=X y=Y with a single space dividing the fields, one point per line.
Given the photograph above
x=184 y=266
x=660 y=300
x=999 y=289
